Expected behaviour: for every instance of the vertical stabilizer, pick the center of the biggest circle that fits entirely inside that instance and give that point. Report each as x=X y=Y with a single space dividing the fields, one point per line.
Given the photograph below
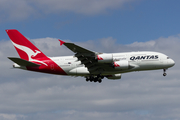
x=24 y=47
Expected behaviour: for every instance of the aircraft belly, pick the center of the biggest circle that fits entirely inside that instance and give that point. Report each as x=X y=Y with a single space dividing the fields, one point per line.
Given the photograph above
x=149 y=65
x=79 y=71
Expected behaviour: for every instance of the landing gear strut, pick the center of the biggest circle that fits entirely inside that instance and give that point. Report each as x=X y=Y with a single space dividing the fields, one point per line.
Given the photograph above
x=94 y=79
x=164 y=74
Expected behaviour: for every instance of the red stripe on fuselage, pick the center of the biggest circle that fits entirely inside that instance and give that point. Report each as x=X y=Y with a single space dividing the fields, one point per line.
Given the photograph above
x=50 y=67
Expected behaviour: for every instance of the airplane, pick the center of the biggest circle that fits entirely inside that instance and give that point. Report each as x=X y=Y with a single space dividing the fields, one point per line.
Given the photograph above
x=94 y=66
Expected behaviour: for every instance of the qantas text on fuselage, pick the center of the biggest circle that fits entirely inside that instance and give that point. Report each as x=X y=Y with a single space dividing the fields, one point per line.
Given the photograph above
x=94 y=66
x=144 y=57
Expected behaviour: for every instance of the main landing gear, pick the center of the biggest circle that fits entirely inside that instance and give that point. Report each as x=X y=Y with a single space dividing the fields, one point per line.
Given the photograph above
x=164 y=70
x=97 y=78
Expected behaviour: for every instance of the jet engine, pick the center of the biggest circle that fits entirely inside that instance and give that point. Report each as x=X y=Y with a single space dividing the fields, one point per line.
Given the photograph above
x=121 y=65
x=114 y=76
x=105 y=58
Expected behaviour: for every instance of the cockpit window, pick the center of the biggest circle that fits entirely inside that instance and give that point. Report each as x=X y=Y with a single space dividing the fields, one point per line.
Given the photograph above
x=168 y=57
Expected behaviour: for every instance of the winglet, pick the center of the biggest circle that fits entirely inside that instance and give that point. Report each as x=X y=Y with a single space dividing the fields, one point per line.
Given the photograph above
x=61 y=42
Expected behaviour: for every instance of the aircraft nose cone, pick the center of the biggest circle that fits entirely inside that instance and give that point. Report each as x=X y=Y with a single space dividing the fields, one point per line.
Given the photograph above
x=171 y=62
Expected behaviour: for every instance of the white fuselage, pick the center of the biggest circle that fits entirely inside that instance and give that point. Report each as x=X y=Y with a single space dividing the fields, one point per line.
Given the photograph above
x=138 y=61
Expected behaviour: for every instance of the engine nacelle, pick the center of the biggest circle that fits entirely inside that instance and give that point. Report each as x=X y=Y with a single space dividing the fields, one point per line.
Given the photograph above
x=123 y=65
x=114 y=76
x=105 y=58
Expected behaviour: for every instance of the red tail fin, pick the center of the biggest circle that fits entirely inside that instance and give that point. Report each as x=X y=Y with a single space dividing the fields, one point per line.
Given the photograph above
x=24 y=47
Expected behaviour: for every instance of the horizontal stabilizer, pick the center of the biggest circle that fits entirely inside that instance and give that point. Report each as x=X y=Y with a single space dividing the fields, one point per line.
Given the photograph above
x=23 y=62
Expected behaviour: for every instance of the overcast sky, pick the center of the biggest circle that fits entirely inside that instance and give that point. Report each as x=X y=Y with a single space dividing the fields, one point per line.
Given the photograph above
x=102 y=26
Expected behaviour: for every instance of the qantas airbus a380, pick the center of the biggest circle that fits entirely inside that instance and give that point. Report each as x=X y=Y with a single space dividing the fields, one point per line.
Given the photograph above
x=92 y=65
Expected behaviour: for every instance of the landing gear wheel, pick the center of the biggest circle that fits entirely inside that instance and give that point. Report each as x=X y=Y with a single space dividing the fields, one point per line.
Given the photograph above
x=91 y=78
x=87 y=79
x=97 y=78
x=164 y=74
x=102 y=77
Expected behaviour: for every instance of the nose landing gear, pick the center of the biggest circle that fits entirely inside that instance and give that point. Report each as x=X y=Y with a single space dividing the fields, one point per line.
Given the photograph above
x=164 y=74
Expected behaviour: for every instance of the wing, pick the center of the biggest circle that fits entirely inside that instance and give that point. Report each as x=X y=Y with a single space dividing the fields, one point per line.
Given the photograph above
x=76 y=48
x=88 y=58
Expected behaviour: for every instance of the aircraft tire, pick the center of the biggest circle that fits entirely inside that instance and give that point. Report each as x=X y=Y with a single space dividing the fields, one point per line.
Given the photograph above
x=87 y=79
x=164 y=74
x=95 y=79
x=100 y=81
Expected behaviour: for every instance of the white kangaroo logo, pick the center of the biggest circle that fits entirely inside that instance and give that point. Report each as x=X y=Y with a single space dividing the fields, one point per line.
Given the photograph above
x=29 y=52
x=37 y=52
